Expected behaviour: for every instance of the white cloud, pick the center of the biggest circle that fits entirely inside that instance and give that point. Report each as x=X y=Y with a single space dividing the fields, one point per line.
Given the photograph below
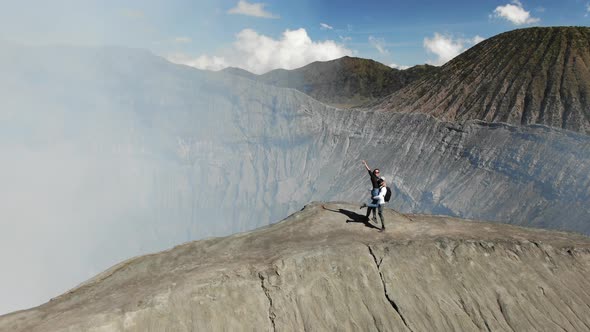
x=396 y=66
x=445 y=47
x=379 y=44
x=477 y=39
x=182 y=40
x=515 y=13
x=259 y=53
x=251 y=9
x=587 y=9
x=325 y=26
x=345 y=38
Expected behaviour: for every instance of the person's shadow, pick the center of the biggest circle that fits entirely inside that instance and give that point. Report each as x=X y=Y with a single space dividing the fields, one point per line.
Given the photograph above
x=353 y=217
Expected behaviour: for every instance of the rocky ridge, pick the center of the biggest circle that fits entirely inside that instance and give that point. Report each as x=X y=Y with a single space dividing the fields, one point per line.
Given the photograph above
x=345 y=82
x=323 y=268
x=525 y=76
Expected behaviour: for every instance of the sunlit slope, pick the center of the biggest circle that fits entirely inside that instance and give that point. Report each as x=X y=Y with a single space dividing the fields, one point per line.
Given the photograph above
x=321 y=269
x=525 y=76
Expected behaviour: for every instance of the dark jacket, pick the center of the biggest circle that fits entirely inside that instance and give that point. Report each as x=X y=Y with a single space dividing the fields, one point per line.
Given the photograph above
x=374 y=179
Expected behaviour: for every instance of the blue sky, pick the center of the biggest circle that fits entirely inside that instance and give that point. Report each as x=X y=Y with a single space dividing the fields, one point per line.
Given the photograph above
x=206 y=34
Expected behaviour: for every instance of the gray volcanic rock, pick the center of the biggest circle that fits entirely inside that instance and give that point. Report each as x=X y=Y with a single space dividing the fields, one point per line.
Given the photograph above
x=526 y=76
x=317 y=271
x=521 y=175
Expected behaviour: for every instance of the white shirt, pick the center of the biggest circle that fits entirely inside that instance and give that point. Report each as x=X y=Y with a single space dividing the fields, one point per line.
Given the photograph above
x=381 y=196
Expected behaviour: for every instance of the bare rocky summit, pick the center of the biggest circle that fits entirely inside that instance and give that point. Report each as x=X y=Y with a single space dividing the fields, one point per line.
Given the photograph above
x=344 y=82
x=526 y=76
x=324 y=269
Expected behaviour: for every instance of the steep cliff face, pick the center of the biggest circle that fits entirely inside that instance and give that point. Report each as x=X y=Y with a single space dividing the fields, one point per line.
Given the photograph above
x=344 y=82
x=321 y=269
x=477 y=170
x=276 y=149
x=526 y=76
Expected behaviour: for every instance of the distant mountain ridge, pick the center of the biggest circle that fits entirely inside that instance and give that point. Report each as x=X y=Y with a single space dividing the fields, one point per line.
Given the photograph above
x=525 y=76
x=345 y=82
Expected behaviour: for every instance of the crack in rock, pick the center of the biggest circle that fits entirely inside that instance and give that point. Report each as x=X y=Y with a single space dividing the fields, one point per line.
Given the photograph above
x=391 y=302
x=271 y=314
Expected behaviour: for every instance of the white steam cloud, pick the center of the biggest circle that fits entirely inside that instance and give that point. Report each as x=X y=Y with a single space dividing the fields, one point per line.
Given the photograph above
x=81 y=171
x=259 y=53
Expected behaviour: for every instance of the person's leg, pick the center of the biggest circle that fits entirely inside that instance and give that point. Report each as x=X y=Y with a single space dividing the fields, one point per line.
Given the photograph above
x=381 y=216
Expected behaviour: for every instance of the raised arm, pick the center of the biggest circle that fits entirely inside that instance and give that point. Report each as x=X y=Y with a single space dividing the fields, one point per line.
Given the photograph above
x=366 y=166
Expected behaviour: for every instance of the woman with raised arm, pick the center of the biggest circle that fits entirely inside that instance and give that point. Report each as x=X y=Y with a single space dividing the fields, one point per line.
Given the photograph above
x=375 y=178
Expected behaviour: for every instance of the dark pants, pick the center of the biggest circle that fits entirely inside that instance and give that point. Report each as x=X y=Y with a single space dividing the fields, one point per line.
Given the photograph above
x=379 y=208
x=374 y=192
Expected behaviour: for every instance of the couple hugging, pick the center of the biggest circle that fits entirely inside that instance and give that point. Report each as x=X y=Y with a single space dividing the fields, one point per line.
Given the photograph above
x=380 y=194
